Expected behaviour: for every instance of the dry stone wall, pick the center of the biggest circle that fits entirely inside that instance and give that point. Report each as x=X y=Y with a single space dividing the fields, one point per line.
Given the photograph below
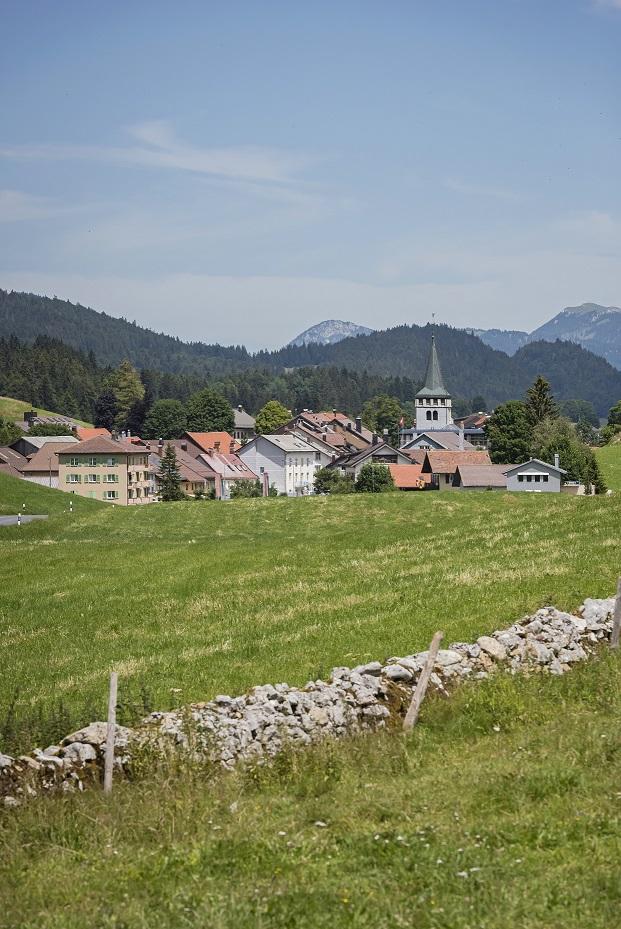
x=259 y=724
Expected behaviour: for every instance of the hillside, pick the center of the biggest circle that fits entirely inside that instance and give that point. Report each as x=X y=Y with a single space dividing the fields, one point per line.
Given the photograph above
x=14 y=409
x=471 y=368
x=480 y=805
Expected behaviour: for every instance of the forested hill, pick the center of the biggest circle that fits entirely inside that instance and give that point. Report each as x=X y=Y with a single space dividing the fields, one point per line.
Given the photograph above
x=470 y=367
x=111 y=339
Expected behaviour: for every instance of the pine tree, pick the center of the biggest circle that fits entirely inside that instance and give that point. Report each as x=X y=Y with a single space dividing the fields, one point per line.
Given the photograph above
x=540 y=403
x=105 y=411
x=128 y=389
x=169 y=477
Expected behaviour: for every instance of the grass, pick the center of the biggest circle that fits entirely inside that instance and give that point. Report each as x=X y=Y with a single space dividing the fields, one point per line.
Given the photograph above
x=193 y=599
x=14 y=409
x=500 y=811
x=609 y=457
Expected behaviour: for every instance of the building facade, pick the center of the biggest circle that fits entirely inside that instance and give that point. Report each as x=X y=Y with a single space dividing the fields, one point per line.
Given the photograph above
x=289 y=462
x=104 y=469
x=535 y=476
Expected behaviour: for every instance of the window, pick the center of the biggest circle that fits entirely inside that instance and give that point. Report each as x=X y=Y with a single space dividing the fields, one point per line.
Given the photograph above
x=428 y=414
x=139 y=491
x=111 y=462
x=73 y=479
x=91 y=479
x=529 y=478
x=537 y=478
x=111 y=478
x=111 y=495
x=317 y=456
x=130 y=494
x=92 y=462
x=545 y=478
x=435 y=414
x=520 y=478
x=261 y=470
x=74 y=462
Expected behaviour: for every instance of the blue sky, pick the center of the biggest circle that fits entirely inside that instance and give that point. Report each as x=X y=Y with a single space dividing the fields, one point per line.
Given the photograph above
x=237 y=172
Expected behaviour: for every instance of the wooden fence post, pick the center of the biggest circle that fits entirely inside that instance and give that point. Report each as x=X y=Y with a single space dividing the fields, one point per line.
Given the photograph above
x=616 y=619
x=109 y=758
x=411 y=716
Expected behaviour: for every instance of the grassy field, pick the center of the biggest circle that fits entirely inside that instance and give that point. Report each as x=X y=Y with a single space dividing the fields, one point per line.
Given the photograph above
x=14 y=409
x=609 y=457
x=193 y=599
x=501 y=811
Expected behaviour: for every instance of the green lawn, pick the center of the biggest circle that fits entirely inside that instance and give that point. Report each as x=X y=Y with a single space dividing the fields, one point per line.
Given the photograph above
x=501 y=811
x=609 y=457
x=193 y=599
x=14 y=409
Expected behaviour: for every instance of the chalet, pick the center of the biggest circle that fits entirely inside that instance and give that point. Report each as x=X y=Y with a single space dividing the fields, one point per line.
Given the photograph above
x=442 y=465
x=379 y=452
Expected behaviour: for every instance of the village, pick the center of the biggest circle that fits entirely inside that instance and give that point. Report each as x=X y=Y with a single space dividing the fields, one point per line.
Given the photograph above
x=306 y=455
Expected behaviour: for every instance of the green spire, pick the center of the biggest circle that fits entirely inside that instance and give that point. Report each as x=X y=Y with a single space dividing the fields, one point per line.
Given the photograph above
x=434 y=385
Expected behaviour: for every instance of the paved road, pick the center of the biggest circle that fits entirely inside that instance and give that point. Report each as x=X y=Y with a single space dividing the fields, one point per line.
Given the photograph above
x=12 y=520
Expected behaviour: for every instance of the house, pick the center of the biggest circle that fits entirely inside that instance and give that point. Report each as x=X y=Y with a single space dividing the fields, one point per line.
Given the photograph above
x=442 y=465
x=480 y=477
x=211 y=472
x=84 y=433
x=244 y=428
x=441 y=439
x=28 y=445
x=379 y=452
x=409 y=477
x=225 y=469
x=104 y=469
x=535 y=476
x=32 y=418
x=196 y=478
x=289 y=462
x=211 y=441
x=342 y=432
x=474 y=428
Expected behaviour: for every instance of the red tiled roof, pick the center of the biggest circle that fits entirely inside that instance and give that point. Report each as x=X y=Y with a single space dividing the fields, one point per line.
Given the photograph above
x=407 y=477
x=84 y=433
x=208 y=440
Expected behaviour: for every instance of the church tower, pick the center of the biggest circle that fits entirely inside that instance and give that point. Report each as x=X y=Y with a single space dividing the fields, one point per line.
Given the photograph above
x=433 y=401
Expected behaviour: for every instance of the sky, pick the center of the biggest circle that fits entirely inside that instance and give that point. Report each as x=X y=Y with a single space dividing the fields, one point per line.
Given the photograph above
x=236 y=172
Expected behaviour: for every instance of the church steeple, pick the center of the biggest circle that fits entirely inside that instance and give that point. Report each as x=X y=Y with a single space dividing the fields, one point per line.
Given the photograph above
x=433 y=401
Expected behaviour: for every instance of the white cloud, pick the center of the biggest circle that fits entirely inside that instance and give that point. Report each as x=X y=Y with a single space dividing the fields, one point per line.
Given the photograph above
x=162 y=149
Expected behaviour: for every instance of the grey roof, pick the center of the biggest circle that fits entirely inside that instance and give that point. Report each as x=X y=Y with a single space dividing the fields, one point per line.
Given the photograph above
x=514 y=469
x=289 y=443
x=434 y=384
x=447 y=438
x=490 y=475
x=40 y=440
x=243 y=420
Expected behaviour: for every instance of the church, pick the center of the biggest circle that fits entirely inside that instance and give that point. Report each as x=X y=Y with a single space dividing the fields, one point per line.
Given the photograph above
x=434 y=427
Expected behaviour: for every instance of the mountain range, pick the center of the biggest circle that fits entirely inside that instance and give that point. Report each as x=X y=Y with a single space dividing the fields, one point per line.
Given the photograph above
x=330 y=331
x=471 y=367
x=594 y=327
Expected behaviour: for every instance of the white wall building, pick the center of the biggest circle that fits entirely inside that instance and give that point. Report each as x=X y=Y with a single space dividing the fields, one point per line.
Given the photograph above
x=289 y=461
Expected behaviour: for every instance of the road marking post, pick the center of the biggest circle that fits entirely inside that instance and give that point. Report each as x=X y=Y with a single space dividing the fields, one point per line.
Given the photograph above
x=109 y=758
x=411 y=716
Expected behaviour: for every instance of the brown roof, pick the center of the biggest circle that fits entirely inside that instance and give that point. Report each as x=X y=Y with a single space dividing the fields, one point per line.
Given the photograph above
x=103 y=446
x=84 y=433
x=445 y=462
x=11 y=460
x=209 y=440
x=482 y=475
x=416 y=454
x=46 y=457
x=407 y=477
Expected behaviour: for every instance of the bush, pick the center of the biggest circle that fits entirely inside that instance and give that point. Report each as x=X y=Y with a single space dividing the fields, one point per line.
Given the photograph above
x=375 y=479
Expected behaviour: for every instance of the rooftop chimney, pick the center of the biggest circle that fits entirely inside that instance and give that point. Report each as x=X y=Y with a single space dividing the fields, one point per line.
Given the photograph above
x=232 y=447
x=216 y=445
x=557 y=461
x=184 y=445
x=240 y=408
x=358 y=424
x=160 y=447
x=349 y=427
x=375 y=439
x=385 y=435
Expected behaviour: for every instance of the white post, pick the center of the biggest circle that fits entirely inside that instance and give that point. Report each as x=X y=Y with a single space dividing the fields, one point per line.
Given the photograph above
x=109 y=759
x=411 y=717
x=19 y=519
x=616 y=619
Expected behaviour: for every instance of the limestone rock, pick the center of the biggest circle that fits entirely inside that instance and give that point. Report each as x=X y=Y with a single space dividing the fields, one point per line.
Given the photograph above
x=492 y=647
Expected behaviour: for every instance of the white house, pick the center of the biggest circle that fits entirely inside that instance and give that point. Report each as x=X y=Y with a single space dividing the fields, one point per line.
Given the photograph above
x=535 y=476
x=289 y=462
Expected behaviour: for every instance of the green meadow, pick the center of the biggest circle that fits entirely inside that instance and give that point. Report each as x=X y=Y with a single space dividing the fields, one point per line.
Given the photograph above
x=15 y=409
x=501 y=809
x=193 y=599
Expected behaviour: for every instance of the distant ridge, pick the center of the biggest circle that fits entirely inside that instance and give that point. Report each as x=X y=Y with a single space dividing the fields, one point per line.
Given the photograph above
x=594 y=327
x=329 y=332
